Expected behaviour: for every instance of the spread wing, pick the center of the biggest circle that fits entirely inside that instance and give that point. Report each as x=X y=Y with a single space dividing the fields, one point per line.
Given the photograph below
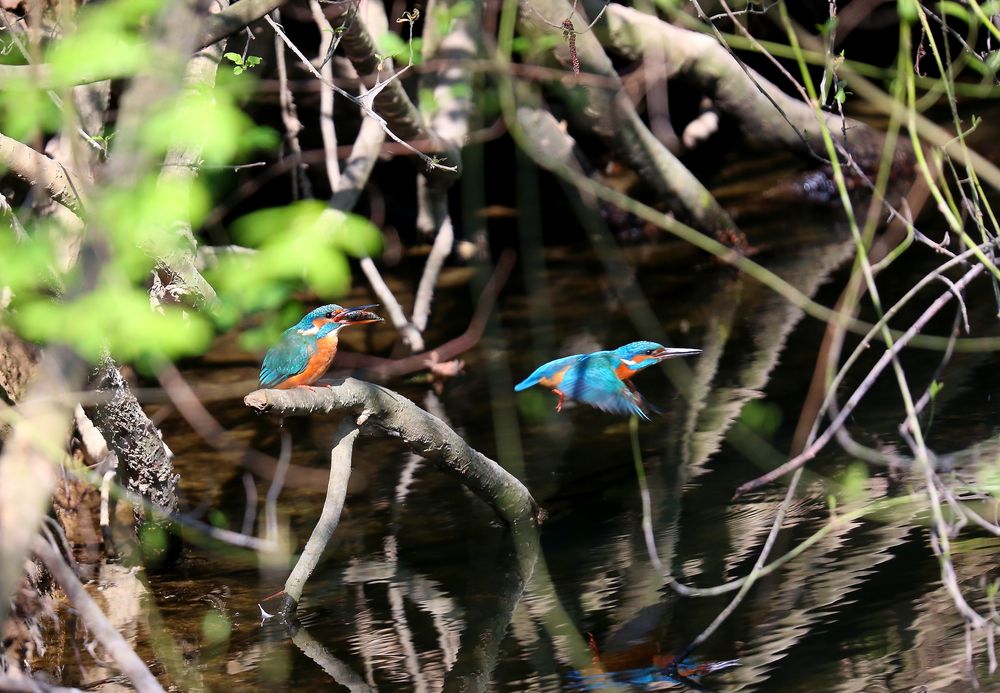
x=548 y=370
x=592 y=380
x=286 y=358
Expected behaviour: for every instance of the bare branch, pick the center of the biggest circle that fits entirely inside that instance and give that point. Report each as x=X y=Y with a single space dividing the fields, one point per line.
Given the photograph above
x=862 y=389
x=39 y=170
x=336 y=492
x=608 y=114
x=392 y=415
x=407 y=330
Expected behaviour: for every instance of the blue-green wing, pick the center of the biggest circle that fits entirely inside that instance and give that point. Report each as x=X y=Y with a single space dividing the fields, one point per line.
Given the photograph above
x=592 y=380
x=547 y=370
x=286 y=358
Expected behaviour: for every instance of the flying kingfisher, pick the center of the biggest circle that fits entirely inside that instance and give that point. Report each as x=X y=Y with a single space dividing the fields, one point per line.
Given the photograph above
x=307 y=348
x=602 y=379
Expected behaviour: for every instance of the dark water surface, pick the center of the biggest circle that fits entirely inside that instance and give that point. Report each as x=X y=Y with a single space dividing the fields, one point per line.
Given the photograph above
x=421 y=578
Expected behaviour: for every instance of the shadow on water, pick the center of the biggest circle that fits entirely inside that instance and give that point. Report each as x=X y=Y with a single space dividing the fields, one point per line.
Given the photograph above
x=422 y=589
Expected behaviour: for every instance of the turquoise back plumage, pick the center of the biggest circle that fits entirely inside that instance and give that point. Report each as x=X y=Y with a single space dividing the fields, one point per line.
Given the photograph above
x=547 y=370
x=592 y=380
x=290 y=355
x=602 y=379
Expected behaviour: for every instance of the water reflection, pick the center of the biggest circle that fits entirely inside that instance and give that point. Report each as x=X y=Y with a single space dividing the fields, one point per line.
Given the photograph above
x=423 y=590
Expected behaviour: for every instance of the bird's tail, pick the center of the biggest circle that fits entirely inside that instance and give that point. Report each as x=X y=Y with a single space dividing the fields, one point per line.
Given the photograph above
x=526 y=383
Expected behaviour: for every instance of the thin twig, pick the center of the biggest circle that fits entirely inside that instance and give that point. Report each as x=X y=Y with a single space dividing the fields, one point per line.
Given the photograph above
x=407 y=330
x=301 y=187
x=364 y=102
x=862 y=389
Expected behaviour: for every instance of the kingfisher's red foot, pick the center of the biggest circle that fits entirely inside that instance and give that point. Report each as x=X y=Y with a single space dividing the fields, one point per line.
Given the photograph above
x=559 y=404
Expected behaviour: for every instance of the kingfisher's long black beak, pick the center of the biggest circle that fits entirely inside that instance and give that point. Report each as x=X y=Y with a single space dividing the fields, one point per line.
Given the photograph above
x=358 y=315
x=667 y=353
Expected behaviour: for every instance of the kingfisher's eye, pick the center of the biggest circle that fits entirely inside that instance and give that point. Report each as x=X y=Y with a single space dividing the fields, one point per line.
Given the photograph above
x=329 y=315
x=649 y=352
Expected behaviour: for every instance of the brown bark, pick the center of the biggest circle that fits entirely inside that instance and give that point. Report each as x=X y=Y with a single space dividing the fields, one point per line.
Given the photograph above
x=392 y=415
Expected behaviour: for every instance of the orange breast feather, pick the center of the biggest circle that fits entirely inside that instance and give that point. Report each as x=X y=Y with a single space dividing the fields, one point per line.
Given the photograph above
x=319 y=362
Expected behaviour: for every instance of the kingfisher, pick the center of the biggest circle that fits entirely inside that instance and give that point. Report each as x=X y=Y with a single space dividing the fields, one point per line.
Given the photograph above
x=602 y=379
x=307 y=348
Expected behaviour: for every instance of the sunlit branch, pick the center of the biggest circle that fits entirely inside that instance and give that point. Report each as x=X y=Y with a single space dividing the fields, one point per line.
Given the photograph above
x=609 y=115
x=39 y=170
x=326 y=125
x=407 y=330
x=301 y=187
x=391 y=415
x=336 y=493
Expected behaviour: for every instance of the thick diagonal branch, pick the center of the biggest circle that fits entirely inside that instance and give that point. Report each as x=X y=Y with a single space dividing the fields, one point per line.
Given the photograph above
x=765 y=114
x=607 y=113
x=392 y=101
x=392 y=415
x=39 y=170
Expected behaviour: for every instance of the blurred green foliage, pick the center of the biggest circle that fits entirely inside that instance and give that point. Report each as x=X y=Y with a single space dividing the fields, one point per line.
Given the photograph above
x=302 y=244
x=763 y=418
x=392 y=45
x=215 y=628
x=117 y=317
x=129 y=225
x=209 y=121
x=853 y=484
x=26 y=111
x=153 y=541
x=108 y=41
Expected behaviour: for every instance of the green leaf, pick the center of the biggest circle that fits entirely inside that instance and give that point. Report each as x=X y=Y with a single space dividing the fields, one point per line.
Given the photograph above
x=26 y=111
x=26 y=266
x=936 y=387
x=390 y=43
x=300 y=243
x=116 y=317
x=907 y=10
x=234 y=57
x=205 y=120
x=955 y=10
x=854 y=483
x=826 y=27
x=109 y=42
x=353 y=234
x=428 y=102
x=253 y=60
x=842 y=93
x=141 y=219
x=238 y=70
x=763 y=418
x=215 y=628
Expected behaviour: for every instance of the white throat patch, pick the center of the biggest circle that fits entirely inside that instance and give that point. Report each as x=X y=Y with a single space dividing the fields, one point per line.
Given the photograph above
x=310 y=331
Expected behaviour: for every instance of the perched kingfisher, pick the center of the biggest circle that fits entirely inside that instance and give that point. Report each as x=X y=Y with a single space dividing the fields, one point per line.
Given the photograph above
x=307 y=348
x=602 y=379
